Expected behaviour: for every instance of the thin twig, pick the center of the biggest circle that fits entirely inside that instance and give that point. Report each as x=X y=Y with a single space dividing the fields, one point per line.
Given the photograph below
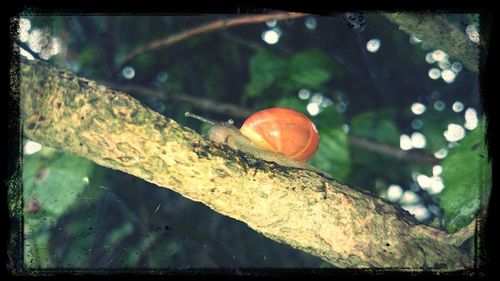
x=197 y=102
x=206 y=28
x=392 y=151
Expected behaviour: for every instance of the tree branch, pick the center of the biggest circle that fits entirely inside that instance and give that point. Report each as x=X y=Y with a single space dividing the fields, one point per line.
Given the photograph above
x=440 y=34
x=342 y=225
x=232 y=110
x=392 y=151
x=206 y=28
x=236 y=111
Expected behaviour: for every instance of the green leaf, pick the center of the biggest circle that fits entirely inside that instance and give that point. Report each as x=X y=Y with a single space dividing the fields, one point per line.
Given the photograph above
x=90 y=54
x=56 y=184
x=52 y=183
x=333 y=153
x=144 y=61
x=292 y=103
x=312 y=68
x=278 y=76
x=265 y=68
x=467 y=179
x=434 y=124
x=377 y=126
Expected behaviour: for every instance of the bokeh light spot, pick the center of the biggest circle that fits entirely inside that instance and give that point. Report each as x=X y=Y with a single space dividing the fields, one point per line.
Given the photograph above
x=417 y=108
x=473 y=33
x=409 y=197
x=437 y=170
x=420 y=212
x=418 y=140
x=345 y=128
x=128 y=72
x=439 y=55
x=373 y=45
x=405 y=142
x=456 y=67
x=415 y=40
x=313 y=108
x=24 y=27
x=271 y=23
x=448 y=76
x=441 y=154
x=436 y=186
x=417 y=124
x=444 y=64
x=434 y=73
x=439 y=105
x=271 y=36
x=424 y=181
x=310 y=23
x=454 y=132
x=31 y=147
x=471 y=120
x=394 y=192
x=457 y=106
x=429 y=58
x=304 y=94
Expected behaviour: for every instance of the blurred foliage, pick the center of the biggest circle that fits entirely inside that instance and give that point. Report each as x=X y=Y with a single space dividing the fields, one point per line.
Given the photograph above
x=276 y=76
x=433 y=127
x=377 y=125
x=118 y=221
x=467 y=177
x=53 y=181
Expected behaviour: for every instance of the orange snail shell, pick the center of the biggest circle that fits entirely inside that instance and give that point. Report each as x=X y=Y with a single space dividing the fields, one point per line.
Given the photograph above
x=284 y=131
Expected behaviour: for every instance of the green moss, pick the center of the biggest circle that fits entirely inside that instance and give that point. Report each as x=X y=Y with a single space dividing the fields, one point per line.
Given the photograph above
x=158 y=163
x=140 y=116
x=120 y=101
x=160 y=124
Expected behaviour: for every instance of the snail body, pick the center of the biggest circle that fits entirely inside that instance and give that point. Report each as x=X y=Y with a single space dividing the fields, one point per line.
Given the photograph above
x=279 y=135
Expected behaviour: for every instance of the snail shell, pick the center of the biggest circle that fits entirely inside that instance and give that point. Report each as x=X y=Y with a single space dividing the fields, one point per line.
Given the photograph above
x=284 y=131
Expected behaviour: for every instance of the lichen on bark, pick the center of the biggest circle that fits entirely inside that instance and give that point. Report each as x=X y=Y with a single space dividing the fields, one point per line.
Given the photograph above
x=436 y=30
x=344 y=226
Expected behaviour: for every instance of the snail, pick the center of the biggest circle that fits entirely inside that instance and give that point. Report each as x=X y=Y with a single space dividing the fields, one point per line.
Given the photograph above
x=278 y=134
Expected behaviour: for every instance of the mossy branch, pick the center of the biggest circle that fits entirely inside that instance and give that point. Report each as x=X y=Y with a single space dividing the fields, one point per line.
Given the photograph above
x=440 y=34
x=342 y=225
x=236 y=111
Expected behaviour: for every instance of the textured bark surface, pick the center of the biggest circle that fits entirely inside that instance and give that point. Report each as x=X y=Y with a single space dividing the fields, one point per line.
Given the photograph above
x=342 y=225
x=436 y=30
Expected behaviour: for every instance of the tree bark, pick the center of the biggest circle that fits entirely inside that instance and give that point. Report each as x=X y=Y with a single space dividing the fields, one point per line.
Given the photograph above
x=436 y=30
x=347 y=227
